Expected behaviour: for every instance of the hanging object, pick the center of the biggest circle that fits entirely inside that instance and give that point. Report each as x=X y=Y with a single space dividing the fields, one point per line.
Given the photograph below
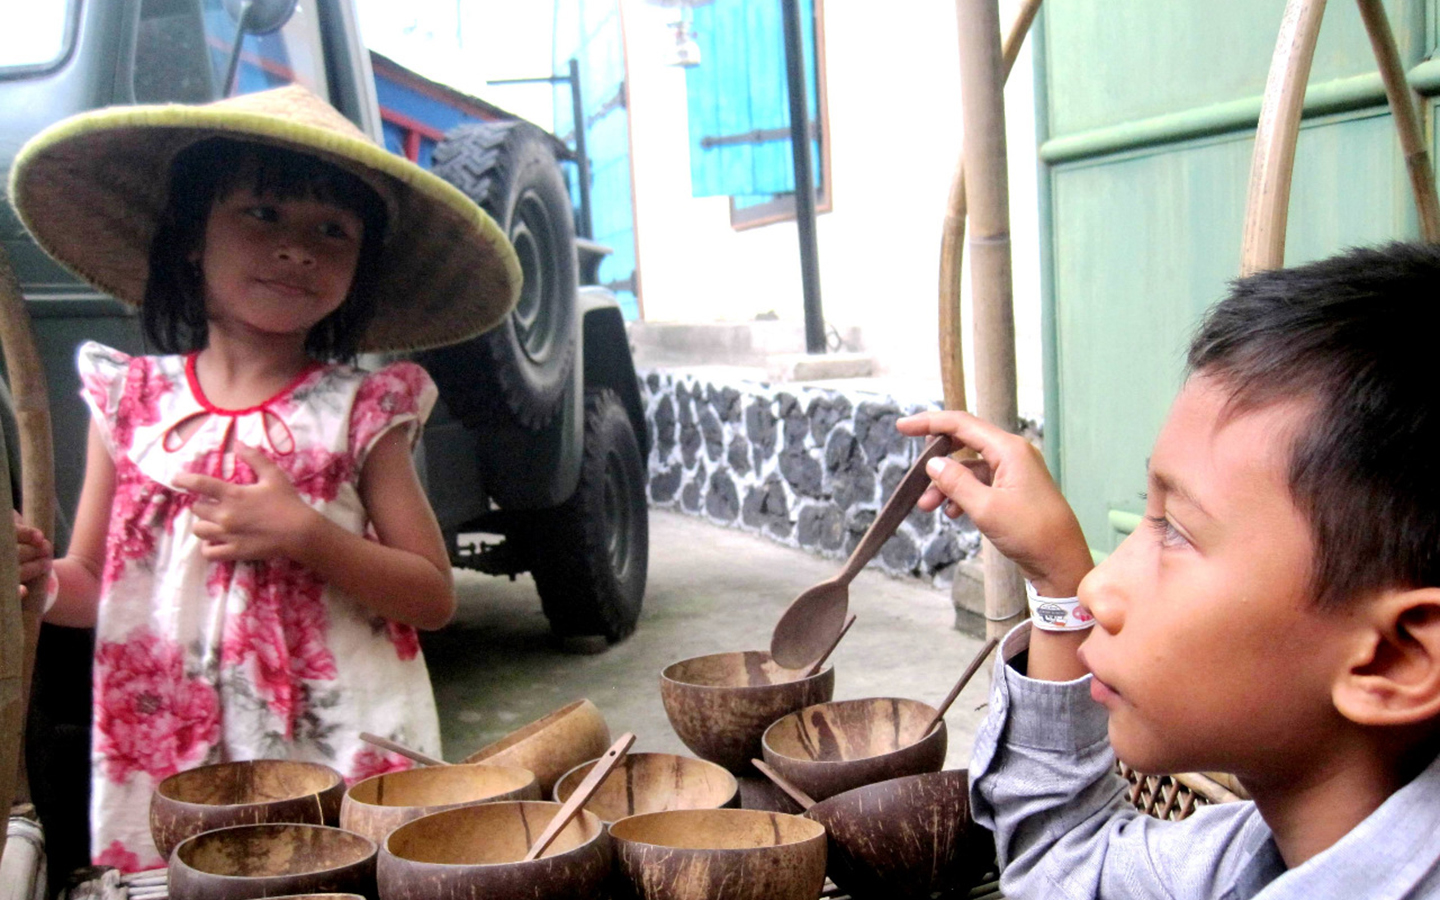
x=684 y=51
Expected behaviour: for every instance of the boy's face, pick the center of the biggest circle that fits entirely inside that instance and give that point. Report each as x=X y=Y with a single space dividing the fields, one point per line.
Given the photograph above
x=277 y=265
x=1209 y=653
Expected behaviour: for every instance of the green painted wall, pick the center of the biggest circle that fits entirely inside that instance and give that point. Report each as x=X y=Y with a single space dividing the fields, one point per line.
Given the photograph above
x=1148 y=113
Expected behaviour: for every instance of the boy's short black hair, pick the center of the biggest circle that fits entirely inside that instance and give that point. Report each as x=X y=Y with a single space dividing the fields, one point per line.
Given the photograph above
x=1353 y=336
x=173 y=312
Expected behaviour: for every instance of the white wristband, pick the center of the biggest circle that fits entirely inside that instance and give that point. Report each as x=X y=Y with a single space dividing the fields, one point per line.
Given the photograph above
x=1057 y=613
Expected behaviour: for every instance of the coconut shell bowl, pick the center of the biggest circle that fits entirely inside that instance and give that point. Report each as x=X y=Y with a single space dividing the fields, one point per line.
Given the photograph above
x=718 y=854
x=653 y=782
x=272 y=860
x=380 y=804
x=477 y=851
x=552 y=745
x=721 y=704
x=243 y=793
x=832 y=747
x=904 y=838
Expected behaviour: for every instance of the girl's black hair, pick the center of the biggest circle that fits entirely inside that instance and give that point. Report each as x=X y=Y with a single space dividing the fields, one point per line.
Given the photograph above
x=173 y=313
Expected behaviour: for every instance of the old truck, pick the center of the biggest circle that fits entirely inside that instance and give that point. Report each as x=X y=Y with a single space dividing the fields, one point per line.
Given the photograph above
x=539 y=440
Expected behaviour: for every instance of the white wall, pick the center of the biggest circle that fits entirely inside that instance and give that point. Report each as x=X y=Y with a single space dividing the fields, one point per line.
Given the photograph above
x=895 y=128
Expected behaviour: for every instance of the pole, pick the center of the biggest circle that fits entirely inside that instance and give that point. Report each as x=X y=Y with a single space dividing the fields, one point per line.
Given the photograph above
x=804 y=176
x=987 y=187
x=582 y=156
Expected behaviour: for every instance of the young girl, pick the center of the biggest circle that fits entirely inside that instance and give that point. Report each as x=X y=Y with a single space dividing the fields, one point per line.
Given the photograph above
x=252 y=544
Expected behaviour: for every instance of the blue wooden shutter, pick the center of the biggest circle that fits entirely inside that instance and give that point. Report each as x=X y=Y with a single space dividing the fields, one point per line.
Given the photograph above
x=738 y=103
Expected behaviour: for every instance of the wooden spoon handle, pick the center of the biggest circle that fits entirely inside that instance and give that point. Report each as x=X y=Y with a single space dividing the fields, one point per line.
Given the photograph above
x=799 y=796
x=895 y=509
x=582 y=794
x=401 y=749
x=970 y=671
x=831 y=649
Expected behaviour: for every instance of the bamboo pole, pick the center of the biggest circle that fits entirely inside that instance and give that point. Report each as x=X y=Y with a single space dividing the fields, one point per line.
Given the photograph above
x=37 y=472
x=1268 y=205
x=987 y=185
x=952 y=237
x=13 y=645
x=1407 y=122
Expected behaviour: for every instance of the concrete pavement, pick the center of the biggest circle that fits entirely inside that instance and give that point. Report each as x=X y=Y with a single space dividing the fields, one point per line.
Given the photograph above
x=711 y=590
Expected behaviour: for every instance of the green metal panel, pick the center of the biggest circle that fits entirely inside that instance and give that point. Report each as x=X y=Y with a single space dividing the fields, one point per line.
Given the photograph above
x=1113 y=62
x=1143 y=203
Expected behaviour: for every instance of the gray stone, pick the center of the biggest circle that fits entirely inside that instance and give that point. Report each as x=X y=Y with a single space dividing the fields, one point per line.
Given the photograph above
x=803 y=472
x=690 y=443
x=852 y=480
x=726 y=403
x=739 y=454
x=900 y=553
x=857 y=522
x=664 y=422
x=875 y=429
x=766 y=508
x=942 y=552
x=824 y=413
x=722 y=500
x=760 y=429
x=691 y=497
x=663 y=485
x=713 y=432
x=821 y=526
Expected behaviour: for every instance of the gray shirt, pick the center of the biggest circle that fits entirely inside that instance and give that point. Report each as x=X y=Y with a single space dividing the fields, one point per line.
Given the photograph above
x=1043 y=779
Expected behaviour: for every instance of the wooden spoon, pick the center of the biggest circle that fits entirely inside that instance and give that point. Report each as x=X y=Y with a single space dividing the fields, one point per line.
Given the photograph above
x=815 y=617
x=970 y=671
x=582 y=795
x=799 y=796
x=401 y=749
x=815 y=667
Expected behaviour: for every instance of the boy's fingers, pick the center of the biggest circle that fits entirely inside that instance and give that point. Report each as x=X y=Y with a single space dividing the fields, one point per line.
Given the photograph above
x=957 y=482
x=971 y=431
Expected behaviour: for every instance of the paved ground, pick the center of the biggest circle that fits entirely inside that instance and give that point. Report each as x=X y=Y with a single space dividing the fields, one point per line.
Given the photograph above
x=711 y=590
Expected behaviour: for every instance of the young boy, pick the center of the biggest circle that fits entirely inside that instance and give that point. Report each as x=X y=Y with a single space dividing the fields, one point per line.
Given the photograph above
x=1277 y=616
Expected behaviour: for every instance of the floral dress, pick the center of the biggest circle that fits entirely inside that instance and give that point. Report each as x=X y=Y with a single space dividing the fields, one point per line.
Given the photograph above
x=199 y=662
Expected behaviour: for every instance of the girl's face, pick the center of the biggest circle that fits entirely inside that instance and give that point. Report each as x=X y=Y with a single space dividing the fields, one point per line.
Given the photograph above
x=276 y=265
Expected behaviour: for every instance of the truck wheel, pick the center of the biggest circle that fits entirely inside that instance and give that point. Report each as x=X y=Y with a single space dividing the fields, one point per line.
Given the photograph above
x=523 y=365
x=589 y=555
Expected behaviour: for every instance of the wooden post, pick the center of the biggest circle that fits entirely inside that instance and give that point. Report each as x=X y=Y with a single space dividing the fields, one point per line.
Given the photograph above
x=1268 y=205
x=952 y=239
x=987 y=185
x=1407 y=123
x=37 y=477
x=16 y=651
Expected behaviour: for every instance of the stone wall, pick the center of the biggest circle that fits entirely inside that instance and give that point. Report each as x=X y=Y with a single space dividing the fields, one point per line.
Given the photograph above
x=808 y=467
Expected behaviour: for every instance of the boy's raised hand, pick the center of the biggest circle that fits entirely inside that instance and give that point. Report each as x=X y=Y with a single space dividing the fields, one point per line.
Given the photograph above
x=263 y=520
x=1011 y=498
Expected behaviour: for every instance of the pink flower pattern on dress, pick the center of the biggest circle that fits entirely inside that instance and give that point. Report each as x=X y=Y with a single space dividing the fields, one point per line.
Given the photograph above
x=199 y=660
x=281 y=632
x=370 y=762
x=145 y=385
x=150 y=715
x=117 y=856
x=391 y=392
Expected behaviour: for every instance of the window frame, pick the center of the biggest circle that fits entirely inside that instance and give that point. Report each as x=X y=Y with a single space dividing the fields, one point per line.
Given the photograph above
x=782 y=207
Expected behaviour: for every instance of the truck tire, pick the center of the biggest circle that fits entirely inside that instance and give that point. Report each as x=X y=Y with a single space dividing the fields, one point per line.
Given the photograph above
x=589 y=555
x=523 y=365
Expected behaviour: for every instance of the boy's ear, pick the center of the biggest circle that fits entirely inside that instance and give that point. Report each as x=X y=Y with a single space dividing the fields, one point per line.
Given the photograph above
x=1392 y=676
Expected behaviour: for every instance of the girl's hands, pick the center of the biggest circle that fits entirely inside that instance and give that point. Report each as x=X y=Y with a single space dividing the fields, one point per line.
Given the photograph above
x=35 y=552
x=1010 y=497
x=257 y=521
